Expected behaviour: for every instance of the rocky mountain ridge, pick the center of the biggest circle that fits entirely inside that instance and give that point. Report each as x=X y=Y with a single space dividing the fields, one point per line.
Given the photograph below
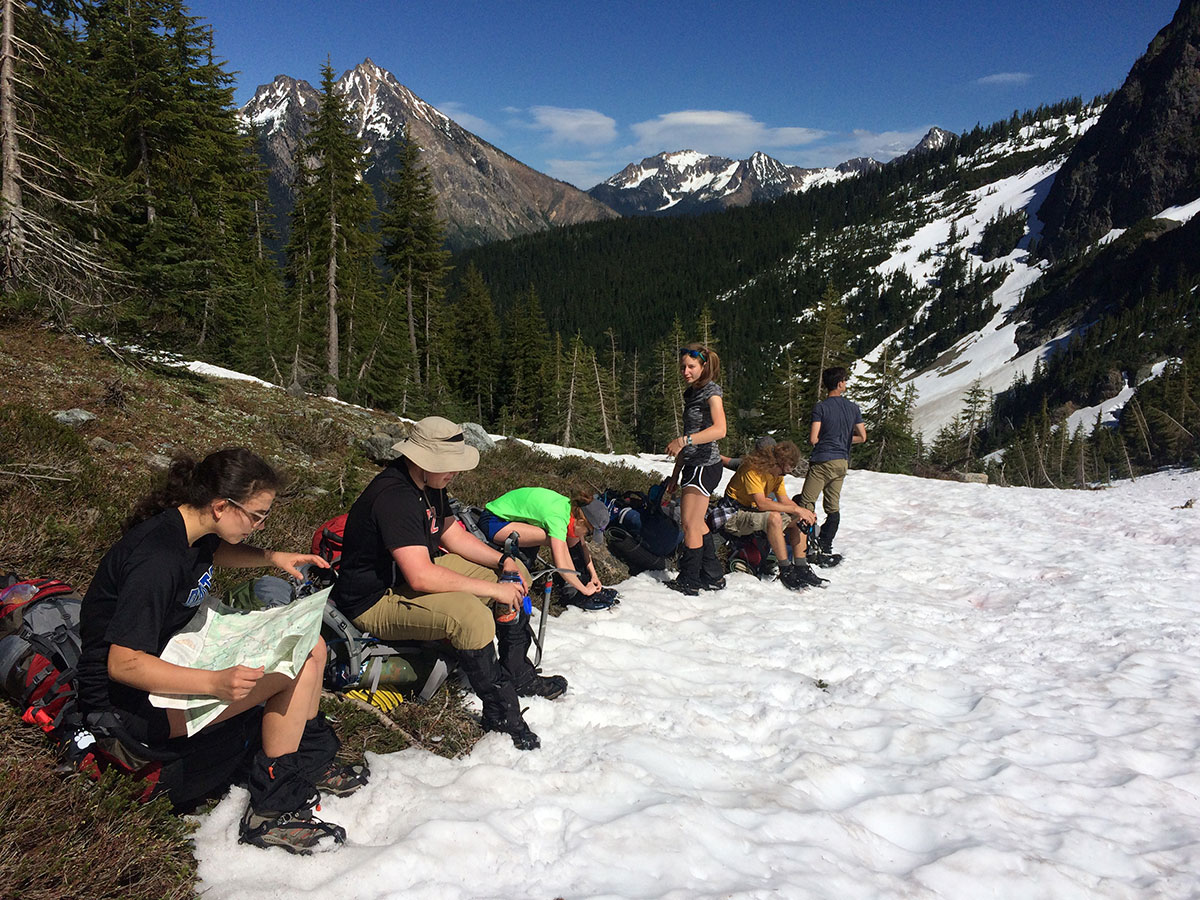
x=1143 y=155
x=483 y=193
x=685 y=182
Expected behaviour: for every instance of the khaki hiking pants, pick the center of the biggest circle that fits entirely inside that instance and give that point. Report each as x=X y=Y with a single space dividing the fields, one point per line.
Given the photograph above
x=824 y=479
x=462 y=618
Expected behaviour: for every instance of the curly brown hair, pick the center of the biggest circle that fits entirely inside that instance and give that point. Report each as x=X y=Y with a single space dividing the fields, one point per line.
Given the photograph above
x=784 y=454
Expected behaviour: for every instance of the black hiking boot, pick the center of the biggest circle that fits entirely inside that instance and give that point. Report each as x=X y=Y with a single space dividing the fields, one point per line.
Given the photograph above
x=592 y=602
x=282 y=799
x=798 y=577
x=501 y=708
x=824 y=559
x=688 y=580
x=712 y=573
x=514 y=639
x=297 y=832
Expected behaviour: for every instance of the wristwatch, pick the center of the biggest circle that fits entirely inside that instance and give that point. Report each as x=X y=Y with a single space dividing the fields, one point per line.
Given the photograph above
x=687 y=439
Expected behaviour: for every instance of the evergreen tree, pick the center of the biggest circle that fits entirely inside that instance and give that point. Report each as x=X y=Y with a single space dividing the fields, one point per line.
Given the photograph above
x=824 y=341
x=476 y=357
x=887 y=412
x=412 y=239
x=330 y=243
x=48 y=210
x=528 y=368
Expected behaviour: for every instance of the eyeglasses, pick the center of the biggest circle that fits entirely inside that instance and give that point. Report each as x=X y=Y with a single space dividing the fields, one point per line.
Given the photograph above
x=694 y=354
x=256 y=517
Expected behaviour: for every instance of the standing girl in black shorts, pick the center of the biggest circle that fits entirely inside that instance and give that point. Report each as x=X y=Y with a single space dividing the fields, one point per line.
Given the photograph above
x=147 y=589
x=698 y=468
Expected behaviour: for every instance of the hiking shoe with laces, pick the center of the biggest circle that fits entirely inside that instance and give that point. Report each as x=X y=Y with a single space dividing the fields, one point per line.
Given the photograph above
x=297 y=832
x=343 y=779
x=797 y=578
x=608 y=595
x=825 y=560
x=716 y=585
x=684 y=587
x=591 y=603
x=549 y=686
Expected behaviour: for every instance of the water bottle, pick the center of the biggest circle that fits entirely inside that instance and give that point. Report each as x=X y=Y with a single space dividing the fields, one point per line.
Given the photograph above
x=504 y=613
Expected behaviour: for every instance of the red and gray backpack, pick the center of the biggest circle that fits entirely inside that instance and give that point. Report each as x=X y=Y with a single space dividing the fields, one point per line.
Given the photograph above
x=327 y=540
x=39 y=649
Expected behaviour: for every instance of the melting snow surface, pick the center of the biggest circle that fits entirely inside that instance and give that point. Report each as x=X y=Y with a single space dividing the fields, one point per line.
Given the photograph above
x=995 y=697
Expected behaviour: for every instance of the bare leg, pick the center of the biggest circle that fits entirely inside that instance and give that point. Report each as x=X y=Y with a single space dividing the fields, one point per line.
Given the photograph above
x=693 y=508
x=527 y=535
x=775 y=536
x=289 y=704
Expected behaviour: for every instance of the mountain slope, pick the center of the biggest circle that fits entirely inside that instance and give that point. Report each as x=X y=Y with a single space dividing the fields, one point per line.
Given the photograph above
x=1144 y=153
x=483 y=193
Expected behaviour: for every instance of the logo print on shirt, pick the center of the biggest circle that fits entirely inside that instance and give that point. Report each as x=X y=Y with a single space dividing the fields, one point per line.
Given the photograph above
x=433 y=522
x=200 y=591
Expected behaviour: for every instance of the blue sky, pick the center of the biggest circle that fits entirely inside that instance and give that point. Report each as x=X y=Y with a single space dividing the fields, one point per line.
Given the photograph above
x=580 y=89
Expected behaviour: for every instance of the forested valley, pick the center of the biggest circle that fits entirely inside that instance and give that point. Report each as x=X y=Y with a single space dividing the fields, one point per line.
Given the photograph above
x=134 y=207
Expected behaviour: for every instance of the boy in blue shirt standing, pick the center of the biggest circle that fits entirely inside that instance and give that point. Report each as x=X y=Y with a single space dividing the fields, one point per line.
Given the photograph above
x=836 y=424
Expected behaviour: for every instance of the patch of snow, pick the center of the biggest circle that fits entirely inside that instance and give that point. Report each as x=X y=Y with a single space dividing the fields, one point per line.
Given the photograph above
x=958 y=714
x=1181 y=214
x=1108 y=409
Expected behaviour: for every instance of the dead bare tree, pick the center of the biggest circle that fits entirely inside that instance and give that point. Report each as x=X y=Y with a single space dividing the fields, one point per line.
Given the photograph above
x=37 y=251
x=608 y=445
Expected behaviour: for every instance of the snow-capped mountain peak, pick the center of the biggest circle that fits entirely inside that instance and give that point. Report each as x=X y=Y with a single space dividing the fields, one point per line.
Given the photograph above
x=686 y=181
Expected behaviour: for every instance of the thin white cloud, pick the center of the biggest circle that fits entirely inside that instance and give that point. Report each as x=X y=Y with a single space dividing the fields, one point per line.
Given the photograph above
x=584 y=173
x=1005 y=78
x=575 y=126
x=718 y=132
x=879 y=145
x=472 y=123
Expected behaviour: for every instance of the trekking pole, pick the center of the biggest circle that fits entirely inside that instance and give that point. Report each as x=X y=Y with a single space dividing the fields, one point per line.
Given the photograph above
x=549 y=574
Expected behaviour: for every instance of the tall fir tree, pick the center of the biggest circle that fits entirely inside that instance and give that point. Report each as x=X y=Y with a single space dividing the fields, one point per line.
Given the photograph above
x=824 y=340
x=528 y=368
x=887 y=406
x=476 y=351
x=412 y=238
x=330 y=242
x=49 y=218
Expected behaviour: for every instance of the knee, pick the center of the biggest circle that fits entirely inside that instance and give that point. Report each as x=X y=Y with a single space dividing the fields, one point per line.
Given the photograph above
x=774 y=520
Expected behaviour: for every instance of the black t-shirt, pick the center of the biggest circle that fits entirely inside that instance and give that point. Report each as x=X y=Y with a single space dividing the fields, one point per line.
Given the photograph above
x=392 y=512
x=147 y=588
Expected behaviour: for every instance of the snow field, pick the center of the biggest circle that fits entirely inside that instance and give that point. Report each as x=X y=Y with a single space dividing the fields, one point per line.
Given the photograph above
x=995 y=696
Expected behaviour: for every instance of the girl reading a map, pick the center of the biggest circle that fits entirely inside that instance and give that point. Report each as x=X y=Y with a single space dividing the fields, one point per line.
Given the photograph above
x=147 y=589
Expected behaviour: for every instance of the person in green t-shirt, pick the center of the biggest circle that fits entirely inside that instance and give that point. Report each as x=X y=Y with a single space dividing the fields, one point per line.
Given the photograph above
x=541 y=517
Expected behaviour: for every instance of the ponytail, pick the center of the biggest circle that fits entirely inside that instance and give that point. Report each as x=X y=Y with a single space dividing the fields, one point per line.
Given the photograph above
x=234 y=473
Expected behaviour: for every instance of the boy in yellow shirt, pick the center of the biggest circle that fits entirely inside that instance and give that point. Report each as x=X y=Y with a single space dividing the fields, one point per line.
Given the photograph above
x=756 y=500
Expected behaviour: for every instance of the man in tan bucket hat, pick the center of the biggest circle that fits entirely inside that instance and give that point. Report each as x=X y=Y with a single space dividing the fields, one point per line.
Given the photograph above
x=394 y=584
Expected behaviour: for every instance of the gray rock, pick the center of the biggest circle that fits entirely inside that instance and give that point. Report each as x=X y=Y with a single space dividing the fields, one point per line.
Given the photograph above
x=379 y=447
x=398 y=430
x=73 y=418
x=100 y=445
x=294 y=390
x=972 y=477
x=158 y=462
x=477 y=437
